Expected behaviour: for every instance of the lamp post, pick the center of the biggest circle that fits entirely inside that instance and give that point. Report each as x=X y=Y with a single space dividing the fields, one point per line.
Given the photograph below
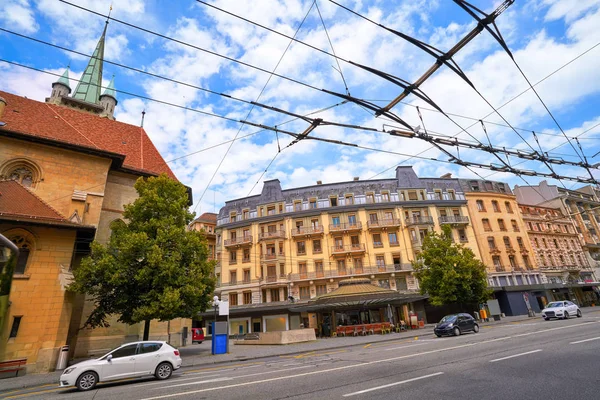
x=216 y=305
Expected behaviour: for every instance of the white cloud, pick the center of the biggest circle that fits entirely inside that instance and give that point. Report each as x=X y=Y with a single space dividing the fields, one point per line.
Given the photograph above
x=19 y=15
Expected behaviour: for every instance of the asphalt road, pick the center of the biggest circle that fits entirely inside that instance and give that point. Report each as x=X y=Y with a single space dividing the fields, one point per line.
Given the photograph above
x=534 y=359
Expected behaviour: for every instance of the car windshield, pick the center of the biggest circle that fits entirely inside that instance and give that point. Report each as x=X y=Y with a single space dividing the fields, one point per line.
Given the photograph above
x=554 y=305
x=448 y=318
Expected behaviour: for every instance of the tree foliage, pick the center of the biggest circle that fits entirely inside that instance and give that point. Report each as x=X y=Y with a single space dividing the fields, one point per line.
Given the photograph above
x=450 y=273
x=152 y=267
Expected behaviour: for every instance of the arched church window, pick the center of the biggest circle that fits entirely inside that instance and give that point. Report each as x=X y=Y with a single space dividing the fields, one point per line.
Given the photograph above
x=25 y=247
x=22 y=171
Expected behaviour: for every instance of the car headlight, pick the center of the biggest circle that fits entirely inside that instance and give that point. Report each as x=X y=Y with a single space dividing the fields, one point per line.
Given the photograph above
x=450 y=325
x=69 y=370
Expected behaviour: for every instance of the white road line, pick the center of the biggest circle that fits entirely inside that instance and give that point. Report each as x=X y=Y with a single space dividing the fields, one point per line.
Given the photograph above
x=393 y=384
x=236 y=377
x=516 y=355
x=353 y=365
x=585 y=340
x=177 y=380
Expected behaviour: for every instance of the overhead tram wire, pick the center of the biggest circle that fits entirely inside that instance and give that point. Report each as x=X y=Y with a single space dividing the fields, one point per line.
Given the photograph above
x=445 y=58
x=224 y=94
x=257 y=98
x=501 y=106
x=472 y=11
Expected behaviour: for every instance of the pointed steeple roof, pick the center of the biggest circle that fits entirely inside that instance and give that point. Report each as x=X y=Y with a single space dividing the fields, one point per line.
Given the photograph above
x=64 y=79
x=110 y=89
x=88 y=88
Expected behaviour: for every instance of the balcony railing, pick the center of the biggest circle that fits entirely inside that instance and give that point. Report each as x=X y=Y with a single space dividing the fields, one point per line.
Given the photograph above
x=271 y=235
x=238 y=241
x=454 y=219
x=500 y=269
x=345 y=226
x=384 y=223
x=419 y=221
x=238 y=283
x=348 y=248
x=272 y=256
x=307 y=231
x=350 y=271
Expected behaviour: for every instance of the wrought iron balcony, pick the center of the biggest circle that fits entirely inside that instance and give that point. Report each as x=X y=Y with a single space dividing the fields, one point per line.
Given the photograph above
x=419 y=221
x=307 y=231
x=238 y=241
x=272 y=256
x=383 y=223
x=350 y=271
x=454 y=219
x=345 y=227
x=271 y=235
x=348 y=248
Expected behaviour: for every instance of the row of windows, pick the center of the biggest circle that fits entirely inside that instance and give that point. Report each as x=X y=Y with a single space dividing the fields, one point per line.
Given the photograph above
x=572 y=245
x=495 y=206
x=337 y=201
x=487 y=227
x=547 y=227
x=568 y=259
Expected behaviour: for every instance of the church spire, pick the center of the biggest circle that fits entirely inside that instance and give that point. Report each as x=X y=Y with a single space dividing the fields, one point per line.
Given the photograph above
x=64 y=79
x=88 y=88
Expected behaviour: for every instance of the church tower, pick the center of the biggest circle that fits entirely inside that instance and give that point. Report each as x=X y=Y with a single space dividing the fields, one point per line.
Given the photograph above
x=87 y=95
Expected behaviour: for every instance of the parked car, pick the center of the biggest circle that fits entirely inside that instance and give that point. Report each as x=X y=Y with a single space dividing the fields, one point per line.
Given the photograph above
x=456 y=324
x=130 y=360
x=561 y=309
x=197 y=335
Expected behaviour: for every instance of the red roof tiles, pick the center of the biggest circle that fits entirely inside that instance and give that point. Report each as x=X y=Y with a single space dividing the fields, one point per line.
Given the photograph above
x=18 y=202
x=208 y=217
x=49 y=121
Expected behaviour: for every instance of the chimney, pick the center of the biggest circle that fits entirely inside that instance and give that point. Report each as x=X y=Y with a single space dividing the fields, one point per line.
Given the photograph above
x=3 y=104
x=319 y=182
x=446 y=176
x=356 y=178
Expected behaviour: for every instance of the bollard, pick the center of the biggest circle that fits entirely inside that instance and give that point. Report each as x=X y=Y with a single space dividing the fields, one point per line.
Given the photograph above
x=63 y=357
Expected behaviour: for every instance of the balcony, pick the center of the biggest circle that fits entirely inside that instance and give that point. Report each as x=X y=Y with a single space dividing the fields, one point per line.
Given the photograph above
x=383 y=224
x=345 y=227
x=244 y=282
x=454 y=220
x=336 y=273
x=348 y=249
x=307 y=231
x=238 y=242
x=419 y=221
x=500 y=269
x=271 y=235
x=274 y=279
x=271 y=256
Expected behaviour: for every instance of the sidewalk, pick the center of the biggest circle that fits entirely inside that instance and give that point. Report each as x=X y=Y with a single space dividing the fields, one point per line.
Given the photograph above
x=199 y=355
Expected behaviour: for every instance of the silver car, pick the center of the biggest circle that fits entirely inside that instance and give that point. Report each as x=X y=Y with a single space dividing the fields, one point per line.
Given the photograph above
x=561 y=309
x=137 y=359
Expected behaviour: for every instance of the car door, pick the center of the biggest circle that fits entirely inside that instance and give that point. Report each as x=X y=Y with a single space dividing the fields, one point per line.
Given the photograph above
x=121 y=364
x=469 y=322
x=147 y=358
x=462 y=323
x=572 y=308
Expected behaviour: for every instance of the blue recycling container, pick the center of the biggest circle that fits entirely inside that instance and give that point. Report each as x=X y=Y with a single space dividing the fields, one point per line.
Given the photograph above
x=219 y=338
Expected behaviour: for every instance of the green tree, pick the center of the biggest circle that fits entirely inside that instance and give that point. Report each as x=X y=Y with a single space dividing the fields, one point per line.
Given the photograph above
x=450 y=273
x=152 y=267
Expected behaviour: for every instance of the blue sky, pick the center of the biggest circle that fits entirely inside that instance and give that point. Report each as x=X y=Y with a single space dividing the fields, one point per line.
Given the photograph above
x=542 y=34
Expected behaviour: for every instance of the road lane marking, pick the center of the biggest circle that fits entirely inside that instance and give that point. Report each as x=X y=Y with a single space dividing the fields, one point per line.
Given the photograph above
x=516 y=355
x=553 y=329
x=222 y=379
x=238 y=377
x=305 y=354
x=177 y=380
x=585 y=340
x=367 y=345
x=326 y=353
x=393 y=384
x=30 y=388
x=325 y=370
x=248 y=365
x=355 y=365
x=18 y=396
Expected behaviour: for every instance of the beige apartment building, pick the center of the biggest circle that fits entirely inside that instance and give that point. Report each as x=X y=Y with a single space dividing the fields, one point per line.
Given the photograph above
x=283 y=248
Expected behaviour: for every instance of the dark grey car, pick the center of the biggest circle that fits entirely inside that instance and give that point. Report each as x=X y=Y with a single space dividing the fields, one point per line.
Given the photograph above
x=456 y=324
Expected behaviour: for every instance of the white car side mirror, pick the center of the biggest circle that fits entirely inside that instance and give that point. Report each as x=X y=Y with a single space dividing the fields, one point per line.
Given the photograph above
x=109 y=357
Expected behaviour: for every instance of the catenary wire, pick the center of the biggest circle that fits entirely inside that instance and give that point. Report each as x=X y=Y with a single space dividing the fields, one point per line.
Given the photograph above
x=252 y=108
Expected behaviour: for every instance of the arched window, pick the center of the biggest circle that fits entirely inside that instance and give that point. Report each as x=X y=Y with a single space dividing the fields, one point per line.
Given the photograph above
x=23 y=171
x=25 y=246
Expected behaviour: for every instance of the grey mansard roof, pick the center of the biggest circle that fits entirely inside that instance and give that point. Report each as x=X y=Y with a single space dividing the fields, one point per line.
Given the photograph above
x=406 y=178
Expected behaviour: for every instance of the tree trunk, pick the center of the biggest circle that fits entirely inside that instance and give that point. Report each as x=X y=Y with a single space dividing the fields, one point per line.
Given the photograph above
x=146 y=329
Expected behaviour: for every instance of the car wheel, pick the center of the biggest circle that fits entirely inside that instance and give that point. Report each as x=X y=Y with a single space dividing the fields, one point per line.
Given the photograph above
x=546 y=319
x=438 y=335
x=456 y=331
x=87 y=381
x=579 y=314
x=475 y=328
x=566 y=315
x=163 y=371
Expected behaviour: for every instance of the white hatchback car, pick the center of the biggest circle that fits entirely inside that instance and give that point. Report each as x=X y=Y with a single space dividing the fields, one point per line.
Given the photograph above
x=137 y=359
x=561 y=309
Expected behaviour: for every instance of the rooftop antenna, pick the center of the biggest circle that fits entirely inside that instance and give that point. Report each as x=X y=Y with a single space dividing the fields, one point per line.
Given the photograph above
x=109 y=11
x=143 y=114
